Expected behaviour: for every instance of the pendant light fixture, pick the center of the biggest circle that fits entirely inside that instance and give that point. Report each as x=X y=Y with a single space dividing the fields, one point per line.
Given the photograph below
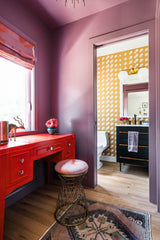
x=74 y=2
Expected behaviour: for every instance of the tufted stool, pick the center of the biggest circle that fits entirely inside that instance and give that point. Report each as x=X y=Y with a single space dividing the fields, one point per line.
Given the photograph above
x=71 y=207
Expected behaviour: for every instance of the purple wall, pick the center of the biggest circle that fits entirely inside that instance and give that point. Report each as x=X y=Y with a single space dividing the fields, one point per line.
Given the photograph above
x=73 y=86
x=72 y=70
x=16 y=15
x=158 y=98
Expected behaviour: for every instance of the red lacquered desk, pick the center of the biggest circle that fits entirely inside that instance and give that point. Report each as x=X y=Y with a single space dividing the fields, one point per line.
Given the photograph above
x=16 y=161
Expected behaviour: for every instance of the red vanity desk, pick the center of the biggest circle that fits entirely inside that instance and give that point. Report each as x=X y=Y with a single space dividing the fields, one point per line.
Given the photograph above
x=17 y=157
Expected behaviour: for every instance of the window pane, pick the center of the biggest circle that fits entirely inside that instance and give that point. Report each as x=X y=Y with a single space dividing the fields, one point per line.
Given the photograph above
x=14 y=92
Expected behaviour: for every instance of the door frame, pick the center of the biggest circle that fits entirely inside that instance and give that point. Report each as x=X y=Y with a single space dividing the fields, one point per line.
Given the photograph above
x=111 y=37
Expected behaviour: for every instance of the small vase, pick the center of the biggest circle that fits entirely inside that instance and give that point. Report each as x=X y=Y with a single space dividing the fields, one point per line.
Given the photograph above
x=51 y=131
x=125 y=122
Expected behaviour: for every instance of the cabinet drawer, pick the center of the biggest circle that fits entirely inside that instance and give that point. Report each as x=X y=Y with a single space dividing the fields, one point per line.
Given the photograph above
x=142 y=152
x=142 y=138
x=21 y=168
x=135 y=161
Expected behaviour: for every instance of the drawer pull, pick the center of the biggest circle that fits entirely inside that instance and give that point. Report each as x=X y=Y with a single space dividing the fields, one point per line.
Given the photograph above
x=21 y=172
x=126 y=145
x=69 y=144
x=21 y=160
x=69 y=151
x=51 y=148
x=139 y=132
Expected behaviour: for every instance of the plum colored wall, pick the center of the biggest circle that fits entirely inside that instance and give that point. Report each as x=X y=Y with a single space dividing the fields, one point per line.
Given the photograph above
x=72 y=84
x=74 y=81
x=21 y=19
x=158 y=98
x=17 y=16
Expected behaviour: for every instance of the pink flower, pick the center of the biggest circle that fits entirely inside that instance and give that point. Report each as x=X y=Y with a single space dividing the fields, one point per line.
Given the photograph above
x=51 y=123
x=124 y=118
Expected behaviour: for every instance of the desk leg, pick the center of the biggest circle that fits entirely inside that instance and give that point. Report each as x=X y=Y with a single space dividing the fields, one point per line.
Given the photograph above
x=2 y=207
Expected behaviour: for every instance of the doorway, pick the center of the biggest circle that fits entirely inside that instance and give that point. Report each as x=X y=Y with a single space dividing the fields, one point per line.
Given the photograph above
x=116 y=61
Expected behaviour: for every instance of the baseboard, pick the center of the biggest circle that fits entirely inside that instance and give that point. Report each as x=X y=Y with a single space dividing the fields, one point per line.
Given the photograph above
x=108 y=158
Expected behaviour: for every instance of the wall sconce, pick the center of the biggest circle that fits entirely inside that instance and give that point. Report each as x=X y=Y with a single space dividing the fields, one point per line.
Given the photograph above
x=133 y=70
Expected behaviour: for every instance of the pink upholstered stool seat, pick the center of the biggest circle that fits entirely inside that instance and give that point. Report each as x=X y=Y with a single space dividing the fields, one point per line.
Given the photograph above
x=71 y=167
x=71 y=198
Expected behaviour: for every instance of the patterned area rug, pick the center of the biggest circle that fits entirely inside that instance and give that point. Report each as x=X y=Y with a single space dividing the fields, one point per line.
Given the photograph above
x=104 y=222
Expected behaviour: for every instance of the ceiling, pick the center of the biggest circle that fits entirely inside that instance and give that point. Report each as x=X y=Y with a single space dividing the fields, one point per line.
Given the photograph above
x=54 y=12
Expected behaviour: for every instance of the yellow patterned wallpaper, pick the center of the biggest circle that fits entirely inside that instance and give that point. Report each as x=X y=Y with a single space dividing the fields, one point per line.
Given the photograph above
x=108 y=88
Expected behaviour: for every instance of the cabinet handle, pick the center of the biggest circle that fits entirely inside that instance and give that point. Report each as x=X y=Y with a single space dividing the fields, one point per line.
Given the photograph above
x=126 y=145
x=139 y=132
x=69 y=151
x=21 y=172
x=51 y=148
x=69 y=144
x=21 y=160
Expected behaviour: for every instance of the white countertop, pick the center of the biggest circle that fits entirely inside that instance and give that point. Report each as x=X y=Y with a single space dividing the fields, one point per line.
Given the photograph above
x=132 y=125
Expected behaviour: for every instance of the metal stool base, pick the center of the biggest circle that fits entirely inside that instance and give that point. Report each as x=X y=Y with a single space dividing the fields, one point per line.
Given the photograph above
x=69 y=219
x=72 y=209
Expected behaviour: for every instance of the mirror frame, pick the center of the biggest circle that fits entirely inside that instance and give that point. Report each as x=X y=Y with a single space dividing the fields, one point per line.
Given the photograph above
x=140 y=87
x=132 y=79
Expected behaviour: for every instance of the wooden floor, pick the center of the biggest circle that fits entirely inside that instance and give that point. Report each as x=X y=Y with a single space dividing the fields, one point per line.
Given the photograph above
x=29 y=218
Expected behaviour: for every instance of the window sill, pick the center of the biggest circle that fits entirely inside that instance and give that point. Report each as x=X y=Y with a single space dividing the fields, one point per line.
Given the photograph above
x=18 y=134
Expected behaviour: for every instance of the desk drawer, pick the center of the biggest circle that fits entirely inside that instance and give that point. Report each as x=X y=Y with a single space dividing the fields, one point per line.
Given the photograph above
x=49 y=149
x=69 y=149
x=21 y=168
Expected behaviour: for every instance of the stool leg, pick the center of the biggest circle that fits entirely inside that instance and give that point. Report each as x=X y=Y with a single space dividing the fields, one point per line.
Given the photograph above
x=71 y=207
x=73 y=182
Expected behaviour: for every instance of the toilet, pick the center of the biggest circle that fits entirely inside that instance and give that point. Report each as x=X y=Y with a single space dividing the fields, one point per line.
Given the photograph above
x=102 y=144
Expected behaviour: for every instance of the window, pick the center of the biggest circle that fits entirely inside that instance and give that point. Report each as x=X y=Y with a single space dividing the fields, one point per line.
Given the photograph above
x=16 y=93
x=17 y=61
